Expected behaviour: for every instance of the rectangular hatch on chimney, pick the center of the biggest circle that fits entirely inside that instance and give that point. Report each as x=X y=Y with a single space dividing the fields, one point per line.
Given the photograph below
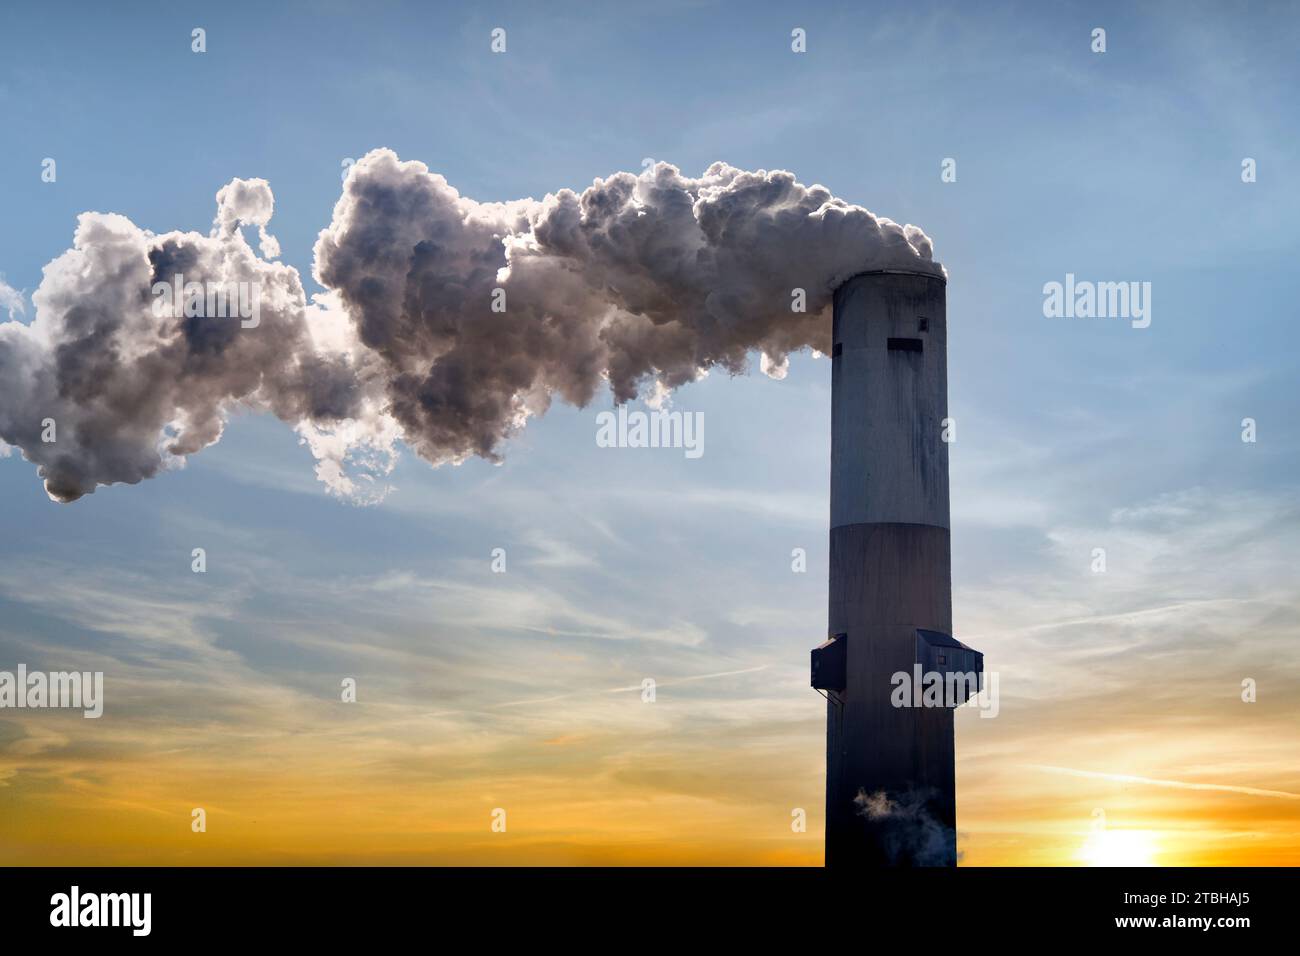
x=906 y=345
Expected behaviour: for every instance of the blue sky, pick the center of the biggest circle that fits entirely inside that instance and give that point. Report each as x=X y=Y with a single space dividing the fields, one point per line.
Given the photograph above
x=1071 y=433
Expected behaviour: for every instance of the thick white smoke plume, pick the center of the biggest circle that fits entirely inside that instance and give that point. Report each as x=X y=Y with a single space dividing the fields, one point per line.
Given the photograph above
x=446 y=324
x=113 y=383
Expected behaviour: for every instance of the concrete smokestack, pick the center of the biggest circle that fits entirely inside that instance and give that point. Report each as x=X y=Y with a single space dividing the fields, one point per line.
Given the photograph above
x=889 y=769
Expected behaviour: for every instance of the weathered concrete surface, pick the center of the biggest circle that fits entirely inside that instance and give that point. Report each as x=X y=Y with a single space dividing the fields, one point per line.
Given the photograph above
x=890 y=776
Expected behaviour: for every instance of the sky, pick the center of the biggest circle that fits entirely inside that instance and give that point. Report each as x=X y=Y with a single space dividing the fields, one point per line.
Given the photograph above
x=1121 y=734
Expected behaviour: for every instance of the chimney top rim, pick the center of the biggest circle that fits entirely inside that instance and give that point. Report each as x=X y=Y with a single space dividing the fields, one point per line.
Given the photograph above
x=897 y=272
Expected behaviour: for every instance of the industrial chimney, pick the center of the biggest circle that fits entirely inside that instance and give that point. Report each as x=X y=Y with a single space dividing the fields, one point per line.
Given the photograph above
x=889 y=768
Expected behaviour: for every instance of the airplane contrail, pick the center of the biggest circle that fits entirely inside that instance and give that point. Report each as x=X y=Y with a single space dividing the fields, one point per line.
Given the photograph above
x=1176 y=784
x=630 y=687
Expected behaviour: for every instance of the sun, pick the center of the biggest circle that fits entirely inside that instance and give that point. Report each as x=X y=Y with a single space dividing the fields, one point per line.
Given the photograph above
x=1119 y=848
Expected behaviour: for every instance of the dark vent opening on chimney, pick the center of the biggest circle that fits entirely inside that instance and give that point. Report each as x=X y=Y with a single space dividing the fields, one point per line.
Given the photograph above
x=905 y=345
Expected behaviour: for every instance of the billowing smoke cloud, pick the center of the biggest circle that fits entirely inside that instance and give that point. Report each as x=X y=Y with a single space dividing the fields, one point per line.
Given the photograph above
x=11 y=300
x=447 y=322
x=113 y=381
x=638 y=279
